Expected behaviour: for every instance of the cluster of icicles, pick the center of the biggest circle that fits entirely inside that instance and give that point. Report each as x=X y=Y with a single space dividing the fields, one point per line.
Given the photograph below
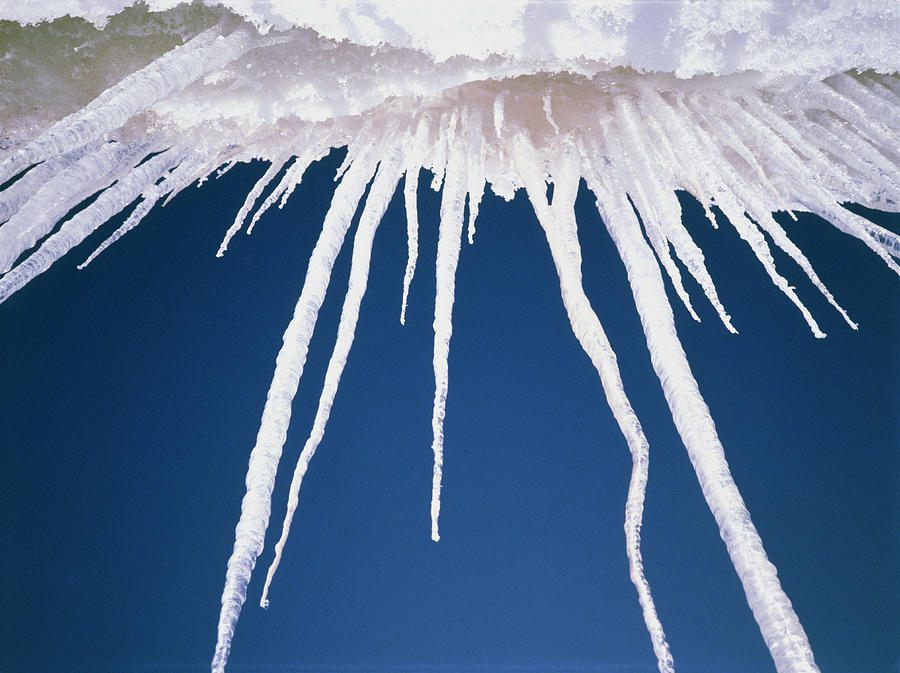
x=743 y=147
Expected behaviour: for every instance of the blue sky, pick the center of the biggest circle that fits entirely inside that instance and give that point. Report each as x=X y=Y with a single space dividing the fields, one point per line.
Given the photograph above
x=132 y=392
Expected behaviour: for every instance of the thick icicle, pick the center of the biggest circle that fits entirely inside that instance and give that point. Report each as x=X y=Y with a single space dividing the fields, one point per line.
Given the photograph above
x=558 y=222
x=15 y=196
x=74 y=231
x=777 y=621
x=135 y=93
x=379 y=196
x=256 y=506
x=63 y=192
x=450 y=232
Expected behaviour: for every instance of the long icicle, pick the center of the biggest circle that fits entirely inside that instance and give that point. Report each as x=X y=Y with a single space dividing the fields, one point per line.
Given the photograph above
x=771 y=608
x=64 y=191
x=170 y=73
x=449 y=235
x=256 y=505
x=558 y=222
x=379 y=196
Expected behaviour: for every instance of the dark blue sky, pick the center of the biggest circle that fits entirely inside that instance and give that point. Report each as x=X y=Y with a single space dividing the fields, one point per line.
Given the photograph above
x=131 y=395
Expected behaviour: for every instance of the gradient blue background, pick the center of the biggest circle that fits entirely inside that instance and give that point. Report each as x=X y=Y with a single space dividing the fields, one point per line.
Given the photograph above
x=131 y=395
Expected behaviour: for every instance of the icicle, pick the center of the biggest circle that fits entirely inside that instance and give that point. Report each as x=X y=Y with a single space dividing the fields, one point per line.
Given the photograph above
x=474 y=134
x=548 y=112
x=875 y=109
x=819 y=94
x=888 y=239
x=499 y=102
x=558 y=222
x=727 y=199
x=135 y=93
x=449 y=235
x=256 y=505
x=289 y=181
x=254 y=193
x=663 y=199
x=410 y=189
x=74 y=231
x=771 y=608
x=648 y=215
x=17 y=194
x=66 y=190
x=177 y=178
x=439 y=158
x=379 y=196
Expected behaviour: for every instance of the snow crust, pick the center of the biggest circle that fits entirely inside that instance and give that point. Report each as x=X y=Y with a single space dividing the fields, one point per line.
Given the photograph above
x=687 y=37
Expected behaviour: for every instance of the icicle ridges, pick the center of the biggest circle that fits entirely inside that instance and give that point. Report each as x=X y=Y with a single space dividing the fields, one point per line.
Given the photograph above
x=743 y=146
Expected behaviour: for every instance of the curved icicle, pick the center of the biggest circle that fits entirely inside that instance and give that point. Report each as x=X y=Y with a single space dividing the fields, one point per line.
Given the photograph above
x=383 y=186
x=256 y=505
x=771 y=608
x=558 y=222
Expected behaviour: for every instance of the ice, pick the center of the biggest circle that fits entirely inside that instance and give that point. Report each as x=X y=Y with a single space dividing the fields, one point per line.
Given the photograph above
x=751 y=108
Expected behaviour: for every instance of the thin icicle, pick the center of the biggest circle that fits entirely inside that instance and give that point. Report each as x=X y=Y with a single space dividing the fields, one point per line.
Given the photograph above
x=474 y=136
x=771 y=608
x=558 y=222
x=75 y=230
x=548 y=112
x=728 y=200
x=449 y=241
x=289 y=181
x=182 y=175
x=379 y=196
x=256 y=505
x=66 y=190
x=499 y=102
x=252 y=196
x=666 y=208
x=410 y=190
x=648 y=214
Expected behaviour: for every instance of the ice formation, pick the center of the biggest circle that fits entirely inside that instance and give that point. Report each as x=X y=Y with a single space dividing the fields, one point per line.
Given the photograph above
x=749 y=107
